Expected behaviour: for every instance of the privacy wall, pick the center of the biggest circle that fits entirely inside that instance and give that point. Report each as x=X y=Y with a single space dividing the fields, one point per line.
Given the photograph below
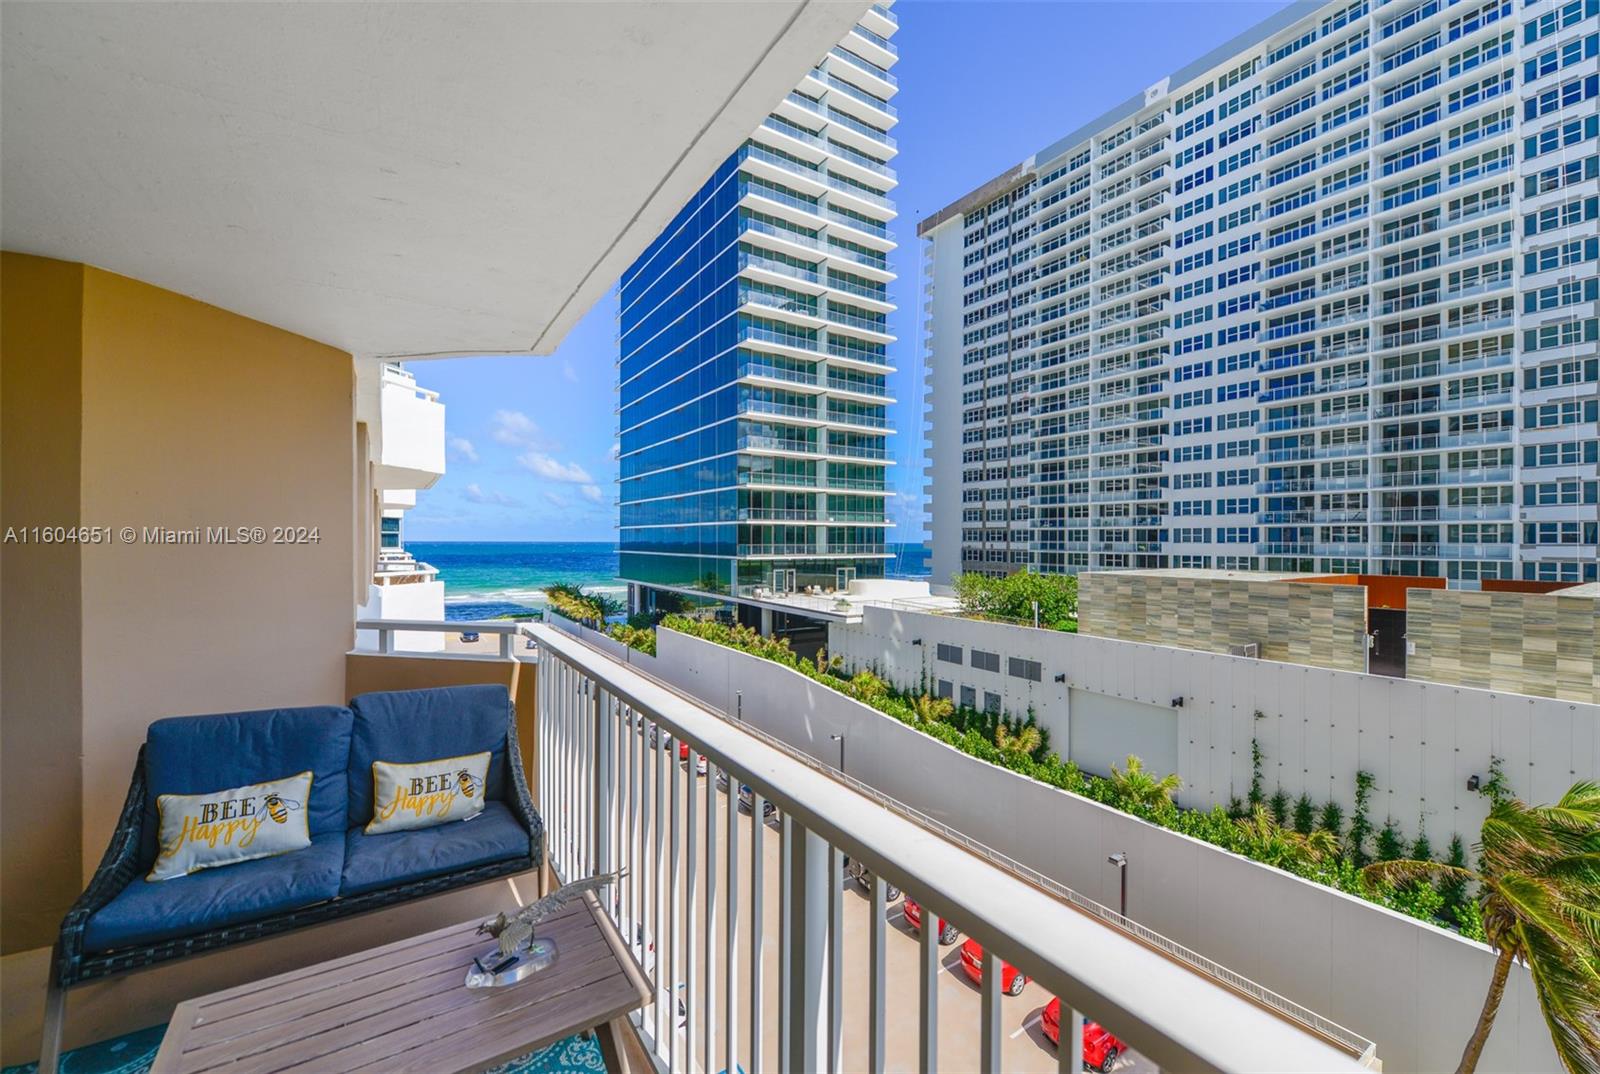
x=1314 y=945
x=1315 y=728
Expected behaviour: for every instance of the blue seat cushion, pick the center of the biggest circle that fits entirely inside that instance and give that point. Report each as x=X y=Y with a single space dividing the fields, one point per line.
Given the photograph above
x=200 y=754
x=148 y=911
x=411 y=726
x=379 y=861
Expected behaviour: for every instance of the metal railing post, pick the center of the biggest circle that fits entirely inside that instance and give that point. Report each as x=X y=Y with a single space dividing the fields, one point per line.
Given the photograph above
x=803 y=1013
x=1070 y=1041
x=602 y=781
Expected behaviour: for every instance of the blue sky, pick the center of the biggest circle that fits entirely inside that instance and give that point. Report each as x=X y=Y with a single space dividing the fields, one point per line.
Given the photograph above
x=982 y=86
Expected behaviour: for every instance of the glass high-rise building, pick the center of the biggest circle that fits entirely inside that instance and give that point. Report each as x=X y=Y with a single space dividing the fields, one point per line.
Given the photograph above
x=754 y=351
x=1325 y=299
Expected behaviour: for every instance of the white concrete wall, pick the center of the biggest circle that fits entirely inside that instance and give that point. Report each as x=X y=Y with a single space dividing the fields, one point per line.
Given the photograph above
x=1413 y=989
x=1421 y=741
x=408 y=600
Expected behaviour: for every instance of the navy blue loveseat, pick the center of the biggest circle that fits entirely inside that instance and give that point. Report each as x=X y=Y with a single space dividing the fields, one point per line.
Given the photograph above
x=123 y=922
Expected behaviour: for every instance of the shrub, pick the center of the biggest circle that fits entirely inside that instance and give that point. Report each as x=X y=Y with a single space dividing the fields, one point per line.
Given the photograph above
x=1315 y=855
x=1305 y=815
x=641 y=638
x=1012 y=597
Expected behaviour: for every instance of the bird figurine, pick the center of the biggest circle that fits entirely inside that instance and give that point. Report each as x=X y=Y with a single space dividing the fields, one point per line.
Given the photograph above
x=515 y=932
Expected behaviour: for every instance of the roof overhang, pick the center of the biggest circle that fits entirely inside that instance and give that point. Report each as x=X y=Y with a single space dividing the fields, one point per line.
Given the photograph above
x=394 y=179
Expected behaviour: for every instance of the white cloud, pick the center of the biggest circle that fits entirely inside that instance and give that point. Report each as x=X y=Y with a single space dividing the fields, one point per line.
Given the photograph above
x=516 y=429
x=570 y=373
x=476 y=494
x=553 y=469
x=592 y=492
x=555 y=499
x=616 y=449
x=461 y=449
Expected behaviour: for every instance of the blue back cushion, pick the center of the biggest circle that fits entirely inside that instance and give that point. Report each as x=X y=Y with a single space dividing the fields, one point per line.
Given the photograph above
x=409 y=726
x=199 y=754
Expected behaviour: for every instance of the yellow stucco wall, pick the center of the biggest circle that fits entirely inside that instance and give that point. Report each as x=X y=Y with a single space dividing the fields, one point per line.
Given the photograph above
x=186 y=416
x=41 y=644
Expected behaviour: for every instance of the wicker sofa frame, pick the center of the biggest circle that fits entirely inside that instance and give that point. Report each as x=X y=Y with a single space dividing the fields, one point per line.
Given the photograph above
x=71 y=965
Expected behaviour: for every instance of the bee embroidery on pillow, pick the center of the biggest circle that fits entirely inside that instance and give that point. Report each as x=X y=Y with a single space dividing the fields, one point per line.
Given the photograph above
x=278 y=808
x=466 y=783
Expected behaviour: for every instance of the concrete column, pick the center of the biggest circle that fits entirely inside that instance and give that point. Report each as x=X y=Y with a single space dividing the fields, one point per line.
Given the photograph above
x=766 y=622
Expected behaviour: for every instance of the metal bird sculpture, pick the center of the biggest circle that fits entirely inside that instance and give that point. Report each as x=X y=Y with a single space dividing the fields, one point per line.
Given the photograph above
x=515 y=932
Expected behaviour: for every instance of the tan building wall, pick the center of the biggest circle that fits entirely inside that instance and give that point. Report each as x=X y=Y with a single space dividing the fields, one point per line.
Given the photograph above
x=164 y=413
x=1545 y=645
x=41 y=643
x=1319 y=625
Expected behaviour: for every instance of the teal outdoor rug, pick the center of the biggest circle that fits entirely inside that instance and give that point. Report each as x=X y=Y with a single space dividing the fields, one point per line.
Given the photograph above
x=133 y=1054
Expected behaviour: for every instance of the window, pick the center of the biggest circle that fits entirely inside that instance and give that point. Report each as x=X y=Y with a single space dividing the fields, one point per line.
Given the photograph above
x=1019 y=668
x=946 y=689
x=985 y=661
x=969 y=697
x=389 y=533
x=991 y=703
x=950 y=654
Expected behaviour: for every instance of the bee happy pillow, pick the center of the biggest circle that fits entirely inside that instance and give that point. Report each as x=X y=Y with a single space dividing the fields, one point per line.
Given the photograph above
x=421 y=795
x=259 y=820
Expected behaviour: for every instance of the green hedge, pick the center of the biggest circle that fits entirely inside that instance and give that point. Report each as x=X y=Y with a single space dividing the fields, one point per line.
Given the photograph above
x=1326 y=857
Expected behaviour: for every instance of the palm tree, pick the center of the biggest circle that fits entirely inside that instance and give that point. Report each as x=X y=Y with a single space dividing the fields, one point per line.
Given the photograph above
x=930 y=709
x=607 y=605
x=1021 y=742
x=1538 y=879
x=1283 y=847
x=1138 y=787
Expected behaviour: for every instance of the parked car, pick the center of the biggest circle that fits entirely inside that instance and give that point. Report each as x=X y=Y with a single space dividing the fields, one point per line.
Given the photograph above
x=747 y=798
x=913 y=912
x=469 y=636
x=699 y=760
x=859 y=873
x=1011 y=981
x=1100 y=1047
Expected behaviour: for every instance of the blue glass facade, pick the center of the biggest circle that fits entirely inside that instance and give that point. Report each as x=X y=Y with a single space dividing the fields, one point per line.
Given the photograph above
x=752 y=377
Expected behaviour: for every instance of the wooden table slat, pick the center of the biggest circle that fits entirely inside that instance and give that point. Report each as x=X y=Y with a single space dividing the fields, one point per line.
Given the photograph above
x=290 y=999
x=332 y=1029
x=405 y=1006
x=270 y=990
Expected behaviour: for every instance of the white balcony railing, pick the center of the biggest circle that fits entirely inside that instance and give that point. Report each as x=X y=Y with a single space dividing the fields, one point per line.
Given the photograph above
x=618 y=756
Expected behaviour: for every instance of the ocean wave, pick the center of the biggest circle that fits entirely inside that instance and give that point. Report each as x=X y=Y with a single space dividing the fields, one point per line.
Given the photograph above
x=465 y=595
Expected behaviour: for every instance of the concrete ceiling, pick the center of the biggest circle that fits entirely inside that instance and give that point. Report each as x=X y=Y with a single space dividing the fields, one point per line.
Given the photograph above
x=397 y=179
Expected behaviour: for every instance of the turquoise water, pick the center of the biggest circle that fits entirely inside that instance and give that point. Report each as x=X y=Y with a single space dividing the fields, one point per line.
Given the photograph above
x=483 y=579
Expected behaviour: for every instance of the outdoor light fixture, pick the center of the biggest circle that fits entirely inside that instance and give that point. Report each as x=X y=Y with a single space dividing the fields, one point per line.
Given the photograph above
x=1177 y=702
x=1473 y=783
x=1061 y=677
x=1120 y=860
x=916 y=641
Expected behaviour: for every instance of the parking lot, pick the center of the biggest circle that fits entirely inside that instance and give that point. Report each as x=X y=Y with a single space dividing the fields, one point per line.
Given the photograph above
x=1025 y=1047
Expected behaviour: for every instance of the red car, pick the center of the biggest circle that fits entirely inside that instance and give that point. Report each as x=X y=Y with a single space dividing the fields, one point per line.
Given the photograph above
x=913 y=912
x=1011 y=982
x=1100 y=1048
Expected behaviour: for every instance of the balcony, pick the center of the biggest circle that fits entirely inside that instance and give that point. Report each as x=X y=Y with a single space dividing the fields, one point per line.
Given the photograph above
x=409 y=450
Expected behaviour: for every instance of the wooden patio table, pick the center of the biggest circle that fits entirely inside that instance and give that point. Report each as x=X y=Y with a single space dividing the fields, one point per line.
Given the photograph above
x=404 y=1007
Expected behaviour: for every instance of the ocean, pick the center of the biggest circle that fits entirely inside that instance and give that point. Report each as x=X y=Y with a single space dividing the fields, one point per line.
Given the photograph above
x=484 y=579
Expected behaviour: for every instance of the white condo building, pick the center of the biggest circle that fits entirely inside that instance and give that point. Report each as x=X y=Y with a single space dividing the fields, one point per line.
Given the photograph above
x=1325 y=299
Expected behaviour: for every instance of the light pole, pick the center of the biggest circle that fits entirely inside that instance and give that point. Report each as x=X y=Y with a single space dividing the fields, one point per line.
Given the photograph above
x=1120 y=860
x=840 y=740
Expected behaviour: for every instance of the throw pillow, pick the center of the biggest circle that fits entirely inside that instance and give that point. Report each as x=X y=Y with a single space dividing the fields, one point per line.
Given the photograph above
x=406 y=796
x=202 y=831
